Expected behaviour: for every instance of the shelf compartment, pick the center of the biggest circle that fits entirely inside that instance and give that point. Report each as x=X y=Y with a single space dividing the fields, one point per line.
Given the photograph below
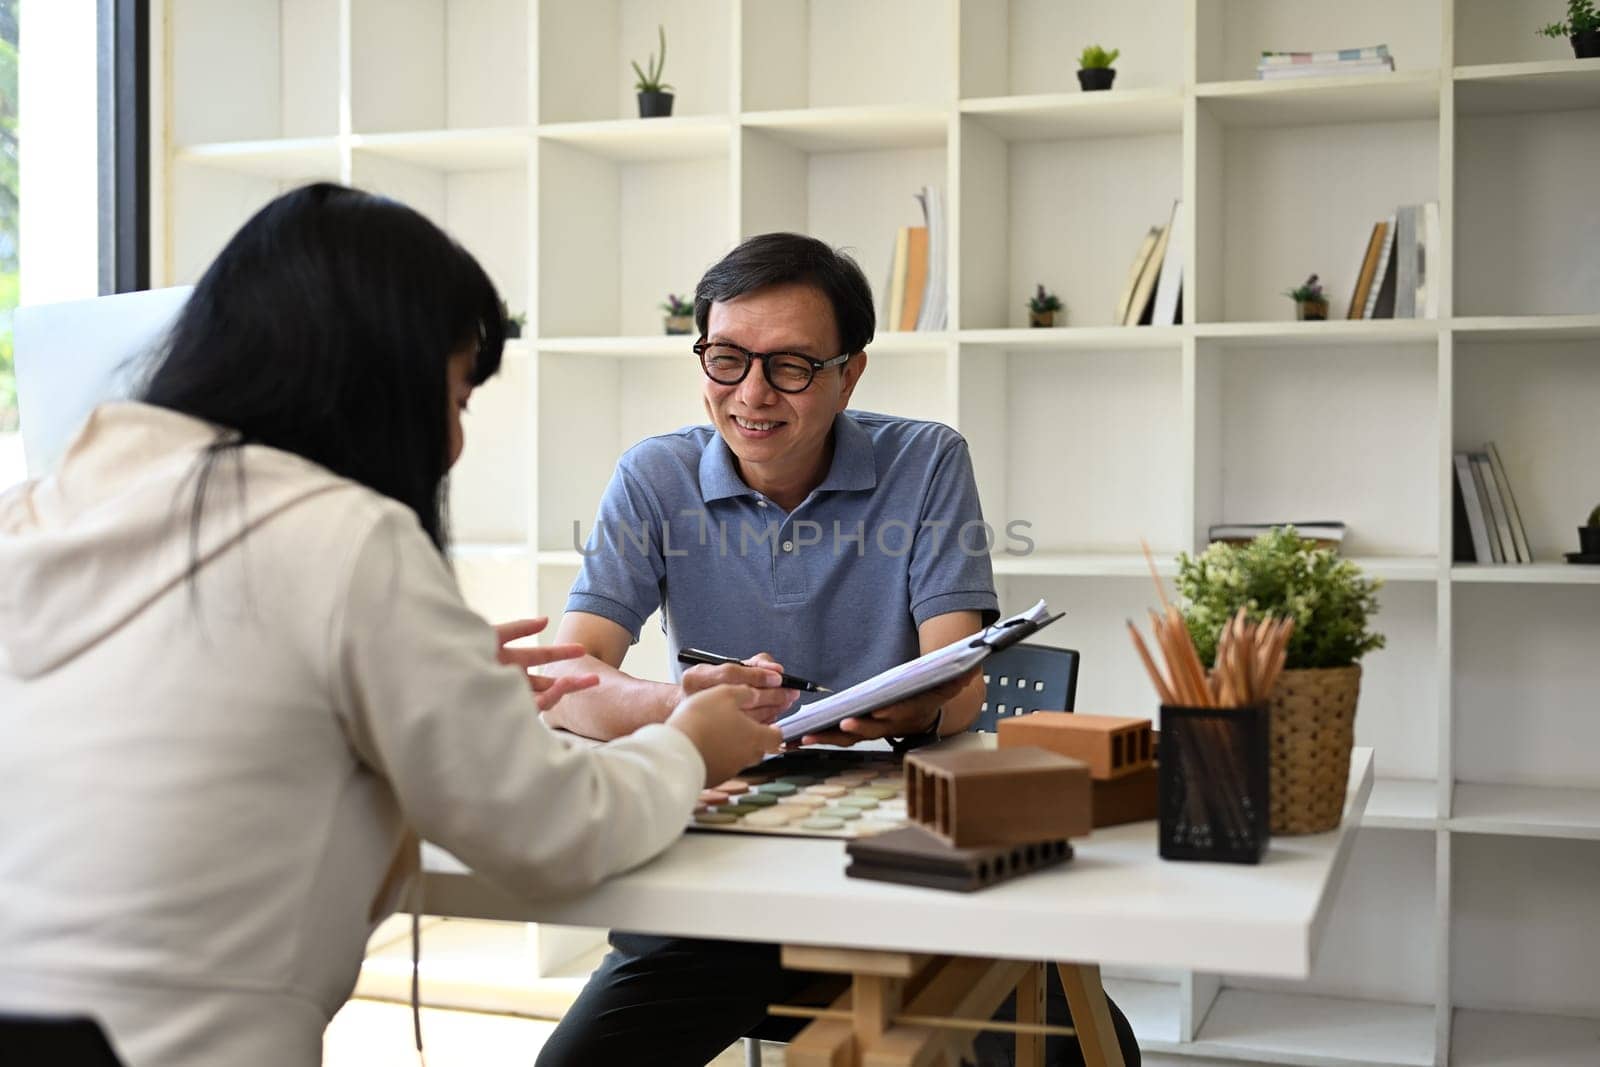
x=287 y=159
x=276 y=63
x=465 y=66
x=451 y=151
x=853 y=129
x=1527 y=811
x=1523 y=245
x=1315 y=1031
x=1520 y=88
x=1230 y=35
x=1026 y=47
x=1493 y=32
x=1393 y=97
x=216 y=202
x=1499 y=1039
x=646 y=140
x=1402 y=804
x=1066 y=116
x=1023 y=202
x=1523 y=935
x=836 y=53
x=489 y=485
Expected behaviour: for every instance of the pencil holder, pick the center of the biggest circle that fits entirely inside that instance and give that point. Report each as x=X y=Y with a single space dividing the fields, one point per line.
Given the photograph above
x=1214 y=786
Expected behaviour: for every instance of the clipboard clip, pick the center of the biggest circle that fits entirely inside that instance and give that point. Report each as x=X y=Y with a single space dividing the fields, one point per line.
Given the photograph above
x=1009 y=632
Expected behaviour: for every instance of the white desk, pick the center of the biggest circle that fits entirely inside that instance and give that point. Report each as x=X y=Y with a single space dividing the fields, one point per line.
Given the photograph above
x=1116 y=902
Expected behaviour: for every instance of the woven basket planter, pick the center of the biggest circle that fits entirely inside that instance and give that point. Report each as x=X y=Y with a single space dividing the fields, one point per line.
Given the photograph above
x=1313 y=730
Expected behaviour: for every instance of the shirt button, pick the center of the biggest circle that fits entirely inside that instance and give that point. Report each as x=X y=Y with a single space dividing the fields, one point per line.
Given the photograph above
x=788 y=546
x=761 y=503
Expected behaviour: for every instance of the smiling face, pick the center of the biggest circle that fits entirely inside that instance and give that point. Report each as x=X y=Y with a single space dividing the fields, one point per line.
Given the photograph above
x=782 y=441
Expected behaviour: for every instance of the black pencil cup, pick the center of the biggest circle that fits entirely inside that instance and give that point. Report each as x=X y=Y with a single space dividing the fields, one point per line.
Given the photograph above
x=1213 y=787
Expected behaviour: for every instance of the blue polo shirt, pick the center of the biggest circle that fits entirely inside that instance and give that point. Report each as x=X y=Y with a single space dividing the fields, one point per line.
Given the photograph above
x=834 y=590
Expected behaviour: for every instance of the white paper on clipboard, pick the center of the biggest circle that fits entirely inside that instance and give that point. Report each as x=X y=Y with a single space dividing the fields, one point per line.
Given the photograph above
x=915 y=676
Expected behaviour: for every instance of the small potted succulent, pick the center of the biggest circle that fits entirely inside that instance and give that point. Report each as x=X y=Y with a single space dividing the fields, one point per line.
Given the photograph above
x=1582 y=28
x=654 y=100
x=1313 y=703
x=680 y=314
x=1095 y=68
x=1042 y=307
x=513 y=323
x=1310 y=302
x=1589 y=535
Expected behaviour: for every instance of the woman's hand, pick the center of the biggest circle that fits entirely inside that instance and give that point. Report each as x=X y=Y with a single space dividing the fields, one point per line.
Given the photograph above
x=546 y=691
x=720 y=724
x=760 y=672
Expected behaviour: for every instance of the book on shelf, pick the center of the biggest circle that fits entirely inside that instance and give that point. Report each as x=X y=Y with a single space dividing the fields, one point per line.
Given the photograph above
x=1369 y=265
x=1326 y=533
x=1500 y=542
x=1406 y=218
x=1472 y=507
x=1519 y=533
x=1376 y=51
x=1380 y=298
x=933 y=313
x=1325 y=70
x=916 y=278
x=1136 y=271
x=1140 y=306
x=894 y=295
x=1169 y=289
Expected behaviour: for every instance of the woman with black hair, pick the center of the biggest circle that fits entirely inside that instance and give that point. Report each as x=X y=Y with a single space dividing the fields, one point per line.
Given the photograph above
x=236 y=673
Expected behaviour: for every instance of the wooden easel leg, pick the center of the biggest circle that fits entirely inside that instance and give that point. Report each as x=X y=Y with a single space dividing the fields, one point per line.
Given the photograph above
x=875 y=1003
x=1091 y=1016
x=1030 y=1009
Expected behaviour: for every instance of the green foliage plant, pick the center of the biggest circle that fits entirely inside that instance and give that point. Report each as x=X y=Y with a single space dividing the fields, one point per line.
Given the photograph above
x=1311 y=290
x=1094 y=57
x=650 y=82
x=1282 y=574
x=1594 y=516
x=676 y=306
x=1582 y=17
x=1043 y=301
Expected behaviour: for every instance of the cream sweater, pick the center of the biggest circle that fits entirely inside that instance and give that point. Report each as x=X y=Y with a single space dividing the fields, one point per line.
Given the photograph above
x=202 y=784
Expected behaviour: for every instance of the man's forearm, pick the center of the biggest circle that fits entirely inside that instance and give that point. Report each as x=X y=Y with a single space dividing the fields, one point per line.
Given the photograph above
x=616 y=707
x=961 y=712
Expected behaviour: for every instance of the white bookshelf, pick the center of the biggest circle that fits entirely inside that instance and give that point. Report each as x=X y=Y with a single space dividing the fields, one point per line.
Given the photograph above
x=1462 y=931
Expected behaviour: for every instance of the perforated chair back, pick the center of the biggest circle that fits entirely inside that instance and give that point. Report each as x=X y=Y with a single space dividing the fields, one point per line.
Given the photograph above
x=68 y=1041
x=1026 y=678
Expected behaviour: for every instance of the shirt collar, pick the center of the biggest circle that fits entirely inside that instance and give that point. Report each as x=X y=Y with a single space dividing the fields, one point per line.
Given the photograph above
x=854 y=464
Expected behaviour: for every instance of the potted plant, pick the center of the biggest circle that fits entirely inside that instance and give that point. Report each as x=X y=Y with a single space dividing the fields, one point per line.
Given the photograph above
x=1095 y=68
x=680 y=314
x=1589 y=535
x=1313 y=704
x=1310 y=302
x=1582 y=28
x=1042 y=307
x=654 y=100
x=513 y=323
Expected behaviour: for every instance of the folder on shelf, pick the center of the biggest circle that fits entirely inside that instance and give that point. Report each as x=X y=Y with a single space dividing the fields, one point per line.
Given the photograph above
x=1472 y=501
x=916 y=280
x=1499 y=528
x=1406 y=220
x=1165 y=310
x=919 y=675
x=1380 y=300
x=1519 y=533
x=894 y=299
x=1139 y=307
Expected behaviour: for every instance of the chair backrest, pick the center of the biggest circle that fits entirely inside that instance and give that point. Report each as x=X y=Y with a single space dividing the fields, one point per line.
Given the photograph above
x=1026 y=678
x=76 y=355
x=71 y=1041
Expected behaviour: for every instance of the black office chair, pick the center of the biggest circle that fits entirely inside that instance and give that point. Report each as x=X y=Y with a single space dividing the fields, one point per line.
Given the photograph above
x=61 y=1041
x=1026 y=678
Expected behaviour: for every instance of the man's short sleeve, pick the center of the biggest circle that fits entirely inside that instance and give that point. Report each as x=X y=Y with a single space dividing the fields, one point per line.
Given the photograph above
x=950 y=568
x=622 y=568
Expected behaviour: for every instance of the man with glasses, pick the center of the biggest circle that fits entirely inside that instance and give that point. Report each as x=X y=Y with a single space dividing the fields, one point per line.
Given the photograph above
x=802 y=537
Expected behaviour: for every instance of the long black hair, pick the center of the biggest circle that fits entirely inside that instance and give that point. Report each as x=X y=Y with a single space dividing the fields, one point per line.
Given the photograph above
x=324 y=328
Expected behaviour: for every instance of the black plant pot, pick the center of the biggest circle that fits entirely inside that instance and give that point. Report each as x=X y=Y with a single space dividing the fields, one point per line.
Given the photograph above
x=513 y=329
x=1586 y=45
x=655 y=105
x=1096 y=78
x=1589 y=540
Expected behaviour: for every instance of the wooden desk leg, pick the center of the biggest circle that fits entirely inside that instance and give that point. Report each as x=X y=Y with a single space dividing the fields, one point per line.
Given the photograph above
x=1091 y=1016
x=875 y=1003
x=1030 y=1009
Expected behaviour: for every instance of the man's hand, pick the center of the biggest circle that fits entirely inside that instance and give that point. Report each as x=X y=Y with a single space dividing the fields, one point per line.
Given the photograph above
x=547 y=691
x=914 y=715
x=760 y=672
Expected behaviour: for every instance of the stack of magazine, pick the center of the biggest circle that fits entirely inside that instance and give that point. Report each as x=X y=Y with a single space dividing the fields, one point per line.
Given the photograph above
x=1274 y=66
x=1488 y=524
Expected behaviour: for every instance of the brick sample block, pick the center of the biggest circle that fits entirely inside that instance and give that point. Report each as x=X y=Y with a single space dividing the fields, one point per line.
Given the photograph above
x=1012 y=796
x=1112 y=745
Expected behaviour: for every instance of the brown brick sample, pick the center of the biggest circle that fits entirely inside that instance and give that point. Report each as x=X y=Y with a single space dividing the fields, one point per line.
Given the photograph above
x=1112 y=745
x=998 y=796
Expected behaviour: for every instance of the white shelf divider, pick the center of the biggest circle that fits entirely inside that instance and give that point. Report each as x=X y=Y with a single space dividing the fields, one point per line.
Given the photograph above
x=1393 y=97
x=1403 y=804
x=1527 y=811
x=1316 y=1031
x=1068 y=116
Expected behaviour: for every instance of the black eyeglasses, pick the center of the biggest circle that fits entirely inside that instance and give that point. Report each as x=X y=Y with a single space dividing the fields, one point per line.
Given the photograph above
x=787 y=372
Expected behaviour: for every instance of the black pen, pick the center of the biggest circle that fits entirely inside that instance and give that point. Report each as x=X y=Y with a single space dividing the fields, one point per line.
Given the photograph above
x=694 y=655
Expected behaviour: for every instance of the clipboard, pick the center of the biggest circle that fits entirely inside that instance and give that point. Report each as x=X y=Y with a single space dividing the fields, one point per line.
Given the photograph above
x=916 y=676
